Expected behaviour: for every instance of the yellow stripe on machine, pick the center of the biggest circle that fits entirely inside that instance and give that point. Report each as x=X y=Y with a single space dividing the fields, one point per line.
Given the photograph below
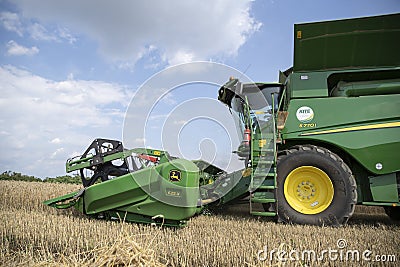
x=357 y=128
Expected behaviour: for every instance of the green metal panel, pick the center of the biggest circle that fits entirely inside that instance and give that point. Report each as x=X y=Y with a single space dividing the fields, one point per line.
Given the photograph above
x=149 y=192
x=384 y=188
x=382 y=204
x=115 y=193
x=239 y=186
x=77 y=164
x=366 y=127
x=390 y=86
x=351 y=43
x=312 y=84
x=62 y=202
x=355 y=82
x=150 y=207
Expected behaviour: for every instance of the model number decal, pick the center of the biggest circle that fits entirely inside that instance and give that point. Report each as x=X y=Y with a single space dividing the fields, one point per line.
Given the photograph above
x=173 y=193
x=307 y=125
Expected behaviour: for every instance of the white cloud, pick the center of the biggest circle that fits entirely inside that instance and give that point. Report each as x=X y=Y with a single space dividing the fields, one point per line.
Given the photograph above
x=56 y=141
x=140 y=140
x=38 y=115
x=14 y=49
x=181 y=57
x=14 y=23
x=153 y=117
x=57 y=152
x=39 y=32
x=169 y=99
x=65 y=34
x=180 y=122
x=11 y=22
x=179 y=31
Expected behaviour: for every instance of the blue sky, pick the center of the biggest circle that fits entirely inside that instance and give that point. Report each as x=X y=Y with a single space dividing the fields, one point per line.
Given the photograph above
x=69 y=69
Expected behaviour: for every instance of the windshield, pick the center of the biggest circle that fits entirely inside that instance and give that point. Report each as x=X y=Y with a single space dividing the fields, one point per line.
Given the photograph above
x=237 y=105
x=259 y=98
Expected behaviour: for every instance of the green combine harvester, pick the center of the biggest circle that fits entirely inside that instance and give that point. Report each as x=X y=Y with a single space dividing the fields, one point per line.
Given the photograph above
x=323 y=139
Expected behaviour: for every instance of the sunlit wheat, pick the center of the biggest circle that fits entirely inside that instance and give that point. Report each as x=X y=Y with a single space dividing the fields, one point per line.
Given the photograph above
x=35 y=235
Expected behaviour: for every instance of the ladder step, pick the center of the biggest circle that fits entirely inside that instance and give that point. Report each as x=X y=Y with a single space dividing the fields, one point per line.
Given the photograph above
x=257 y=186
x=266 y=150
x=264 y=162
x=265 y=136
x=263 y=213
x=269 y=187
x=263 y=200
x=264 y=183
x=263 y=174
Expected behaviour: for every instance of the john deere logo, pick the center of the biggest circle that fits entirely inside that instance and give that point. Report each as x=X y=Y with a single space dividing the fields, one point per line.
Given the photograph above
x=174 y=176
x=305 y=114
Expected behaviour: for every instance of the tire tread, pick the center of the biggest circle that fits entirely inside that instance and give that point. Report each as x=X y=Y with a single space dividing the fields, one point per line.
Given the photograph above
x=330 y=220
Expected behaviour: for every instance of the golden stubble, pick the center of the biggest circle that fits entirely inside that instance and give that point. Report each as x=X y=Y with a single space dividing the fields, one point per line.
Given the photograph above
x=33 y=234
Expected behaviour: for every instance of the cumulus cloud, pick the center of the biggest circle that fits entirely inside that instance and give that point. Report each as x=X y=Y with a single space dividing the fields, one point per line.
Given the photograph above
x=14 y=23
x=56 y=141
x=65 y=34
x=180 y=31
x=11 y=22
x=40 y=33
x=14 y=49
x=43 y=121
x=55 y=153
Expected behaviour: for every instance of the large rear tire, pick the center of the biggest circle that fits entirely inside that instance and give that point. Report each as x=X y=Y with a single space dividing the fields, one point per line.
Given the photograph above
x=315 y=187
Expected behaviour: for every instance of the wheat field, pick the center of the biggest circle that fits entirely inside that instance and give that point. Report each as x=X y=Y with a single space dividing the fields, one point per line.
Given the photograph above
x=33 y=234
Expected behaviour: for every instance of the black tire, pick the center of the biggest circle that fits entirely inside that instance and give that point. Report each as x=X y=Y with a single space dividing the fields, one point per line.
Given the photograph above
x=393 y=213
x=344 y=199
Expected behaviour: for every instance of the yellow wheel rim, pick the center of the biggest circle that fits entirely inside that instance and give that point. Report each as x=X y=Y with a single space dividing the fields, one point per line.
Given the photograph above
x=308 y=190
